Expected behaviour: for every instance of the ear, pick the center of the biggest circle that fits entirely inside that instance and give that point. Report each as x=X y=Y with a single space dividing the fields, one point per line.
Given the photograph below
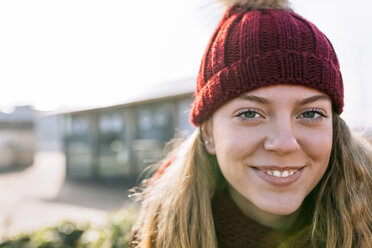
x=207 y=136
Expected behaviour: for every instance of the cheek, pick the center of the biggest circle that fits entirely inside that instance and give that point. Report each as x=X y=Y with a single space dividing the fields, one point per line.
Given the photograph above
x=236 y=142
x=318 y=145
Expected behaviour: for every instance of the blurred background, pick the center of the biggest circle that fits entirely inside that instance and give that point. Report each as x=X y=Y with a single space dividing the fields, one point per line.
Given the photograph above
x=92 y=90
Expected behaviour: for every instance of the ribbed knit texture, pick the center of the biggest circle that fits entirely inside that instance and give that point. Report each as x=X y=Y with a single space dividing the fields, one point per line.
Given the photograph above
x=255 y=48
x=235 y=230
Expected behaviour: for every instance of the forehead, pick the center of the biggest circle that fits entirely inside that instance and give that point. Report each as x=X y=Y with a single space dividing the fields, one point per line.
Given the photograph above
x=286 y=89
x=272 y=94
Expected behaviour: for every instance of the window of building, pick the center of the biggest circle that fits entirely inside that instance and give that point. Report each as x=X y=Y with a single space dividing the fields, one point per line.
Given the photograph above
x=155 y=121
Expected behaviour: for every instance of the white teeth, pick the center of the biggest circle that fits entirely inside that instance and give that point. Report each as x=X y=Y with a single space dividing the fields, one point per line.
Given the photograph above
x=277 y=173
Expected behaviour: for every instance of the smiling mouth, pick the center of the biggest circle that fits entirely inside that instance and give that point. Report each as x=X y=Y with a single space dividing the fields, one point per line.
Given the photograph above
x=279 y=172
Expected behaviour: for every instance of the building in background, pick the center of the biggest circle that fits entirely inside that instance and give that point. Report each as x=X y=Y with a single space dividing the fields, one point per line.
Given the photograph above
x=48 y=128
x=17 y=137
x=120 y=141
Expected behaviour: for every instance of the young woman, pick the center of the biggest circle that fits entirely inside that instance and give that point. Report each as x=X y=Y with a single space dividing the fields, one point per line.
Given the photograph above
x=272 y=164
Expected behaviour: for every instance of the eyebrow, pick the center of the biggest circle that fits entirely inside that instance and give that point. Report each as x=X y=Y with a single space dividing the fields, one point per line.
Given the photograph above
x=312 y=99
x=254 y=99
x=263 y=100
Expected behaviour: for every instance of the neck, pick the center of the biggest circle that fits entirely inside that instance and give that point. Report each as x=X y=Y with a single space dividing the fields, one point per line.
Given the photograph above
x=277 y=222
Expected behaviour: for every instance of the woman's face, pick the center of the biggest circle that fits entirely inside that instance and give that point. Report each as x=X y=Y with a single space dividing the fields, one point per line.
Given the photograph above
x=272 y=145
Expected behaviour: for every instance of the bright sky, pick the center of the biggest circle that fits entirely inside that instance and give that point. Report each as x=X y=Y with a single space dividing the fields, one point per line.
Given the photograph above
x=80 y=53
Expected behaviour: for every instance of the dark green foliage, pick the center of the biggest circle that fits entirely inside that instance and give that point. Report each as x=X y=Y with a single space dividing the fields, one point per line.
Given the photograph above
x=115 y=233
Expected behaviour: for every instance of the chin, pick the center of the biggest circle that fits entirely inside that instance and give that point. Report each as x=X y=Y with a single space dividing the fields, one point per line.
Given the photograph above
x=280 y=208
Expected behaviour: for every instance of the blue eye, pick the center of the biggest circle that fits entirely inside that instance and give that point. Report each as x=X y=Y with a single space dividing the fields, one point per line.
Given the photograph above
x=310 y=114
x=313 y=115
x=248 y=115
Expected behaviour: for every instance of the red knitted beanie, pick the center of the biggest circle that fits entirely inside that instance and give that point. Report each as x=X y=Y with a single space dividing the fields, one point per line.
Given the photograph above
x=252 y=48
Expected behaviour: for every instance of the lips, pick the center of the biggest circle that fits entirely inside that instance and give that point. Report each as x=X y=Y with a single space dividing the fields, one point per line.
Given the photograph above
x=278 y=173
x=278 y=176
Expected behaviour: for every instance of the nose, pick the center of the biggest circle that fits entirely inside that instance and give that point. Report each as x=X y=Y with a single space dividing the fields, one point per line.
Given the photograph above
x=281 y=138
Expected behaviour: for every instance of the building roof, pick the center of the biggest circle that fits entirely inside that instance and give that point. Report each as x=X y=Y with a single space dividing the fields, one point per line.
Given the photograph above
x=153 y=93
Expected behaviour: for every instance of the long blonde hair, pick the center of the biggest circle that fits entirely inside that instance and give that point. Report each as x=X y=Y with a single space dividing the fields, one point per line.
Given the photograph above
x=176 y=207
